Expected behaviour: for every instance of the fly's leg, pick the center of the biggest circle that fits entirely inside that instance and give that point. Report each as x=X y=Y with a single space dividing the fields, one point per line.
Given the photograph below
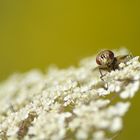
x=101 y=77
x=101 y=74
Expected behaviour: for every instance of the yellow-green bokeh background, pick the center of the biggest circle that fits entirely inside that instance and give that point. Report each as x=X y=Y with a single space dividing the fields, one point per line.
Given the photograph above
x=34 y=34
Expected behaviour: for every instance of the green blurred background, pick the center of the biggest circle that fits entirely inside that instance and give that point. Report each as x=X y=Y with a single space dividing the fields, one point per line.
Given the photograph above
x=34 y=34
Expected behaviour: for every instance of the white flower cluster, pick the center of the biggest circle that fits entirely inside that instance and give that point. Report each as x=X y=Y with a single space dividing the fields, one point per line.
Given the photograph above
x=68 y=104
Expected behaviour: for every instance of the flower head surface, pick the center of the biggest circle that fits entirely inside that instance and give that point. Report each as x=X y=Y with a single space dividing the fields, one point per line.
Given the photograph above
x=68 y=104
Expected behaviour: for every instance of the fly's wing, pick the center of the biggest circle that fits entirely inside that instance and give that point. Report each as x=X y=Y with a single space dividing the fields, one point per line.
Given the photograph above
x=100 y=71
x=123 y=58
x=95 y=70
x=104 y=68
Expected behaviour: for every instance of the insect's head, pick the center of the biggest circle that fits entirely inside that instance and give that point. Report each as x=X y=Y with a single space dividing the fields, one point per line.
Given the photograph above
x=105 y=57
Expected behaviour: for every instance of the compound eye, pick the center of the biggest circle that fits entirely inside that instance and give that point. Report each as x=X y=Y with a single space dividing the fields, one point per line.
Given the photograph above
x=98 y=60
x=111 y=54
x=105 y=57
